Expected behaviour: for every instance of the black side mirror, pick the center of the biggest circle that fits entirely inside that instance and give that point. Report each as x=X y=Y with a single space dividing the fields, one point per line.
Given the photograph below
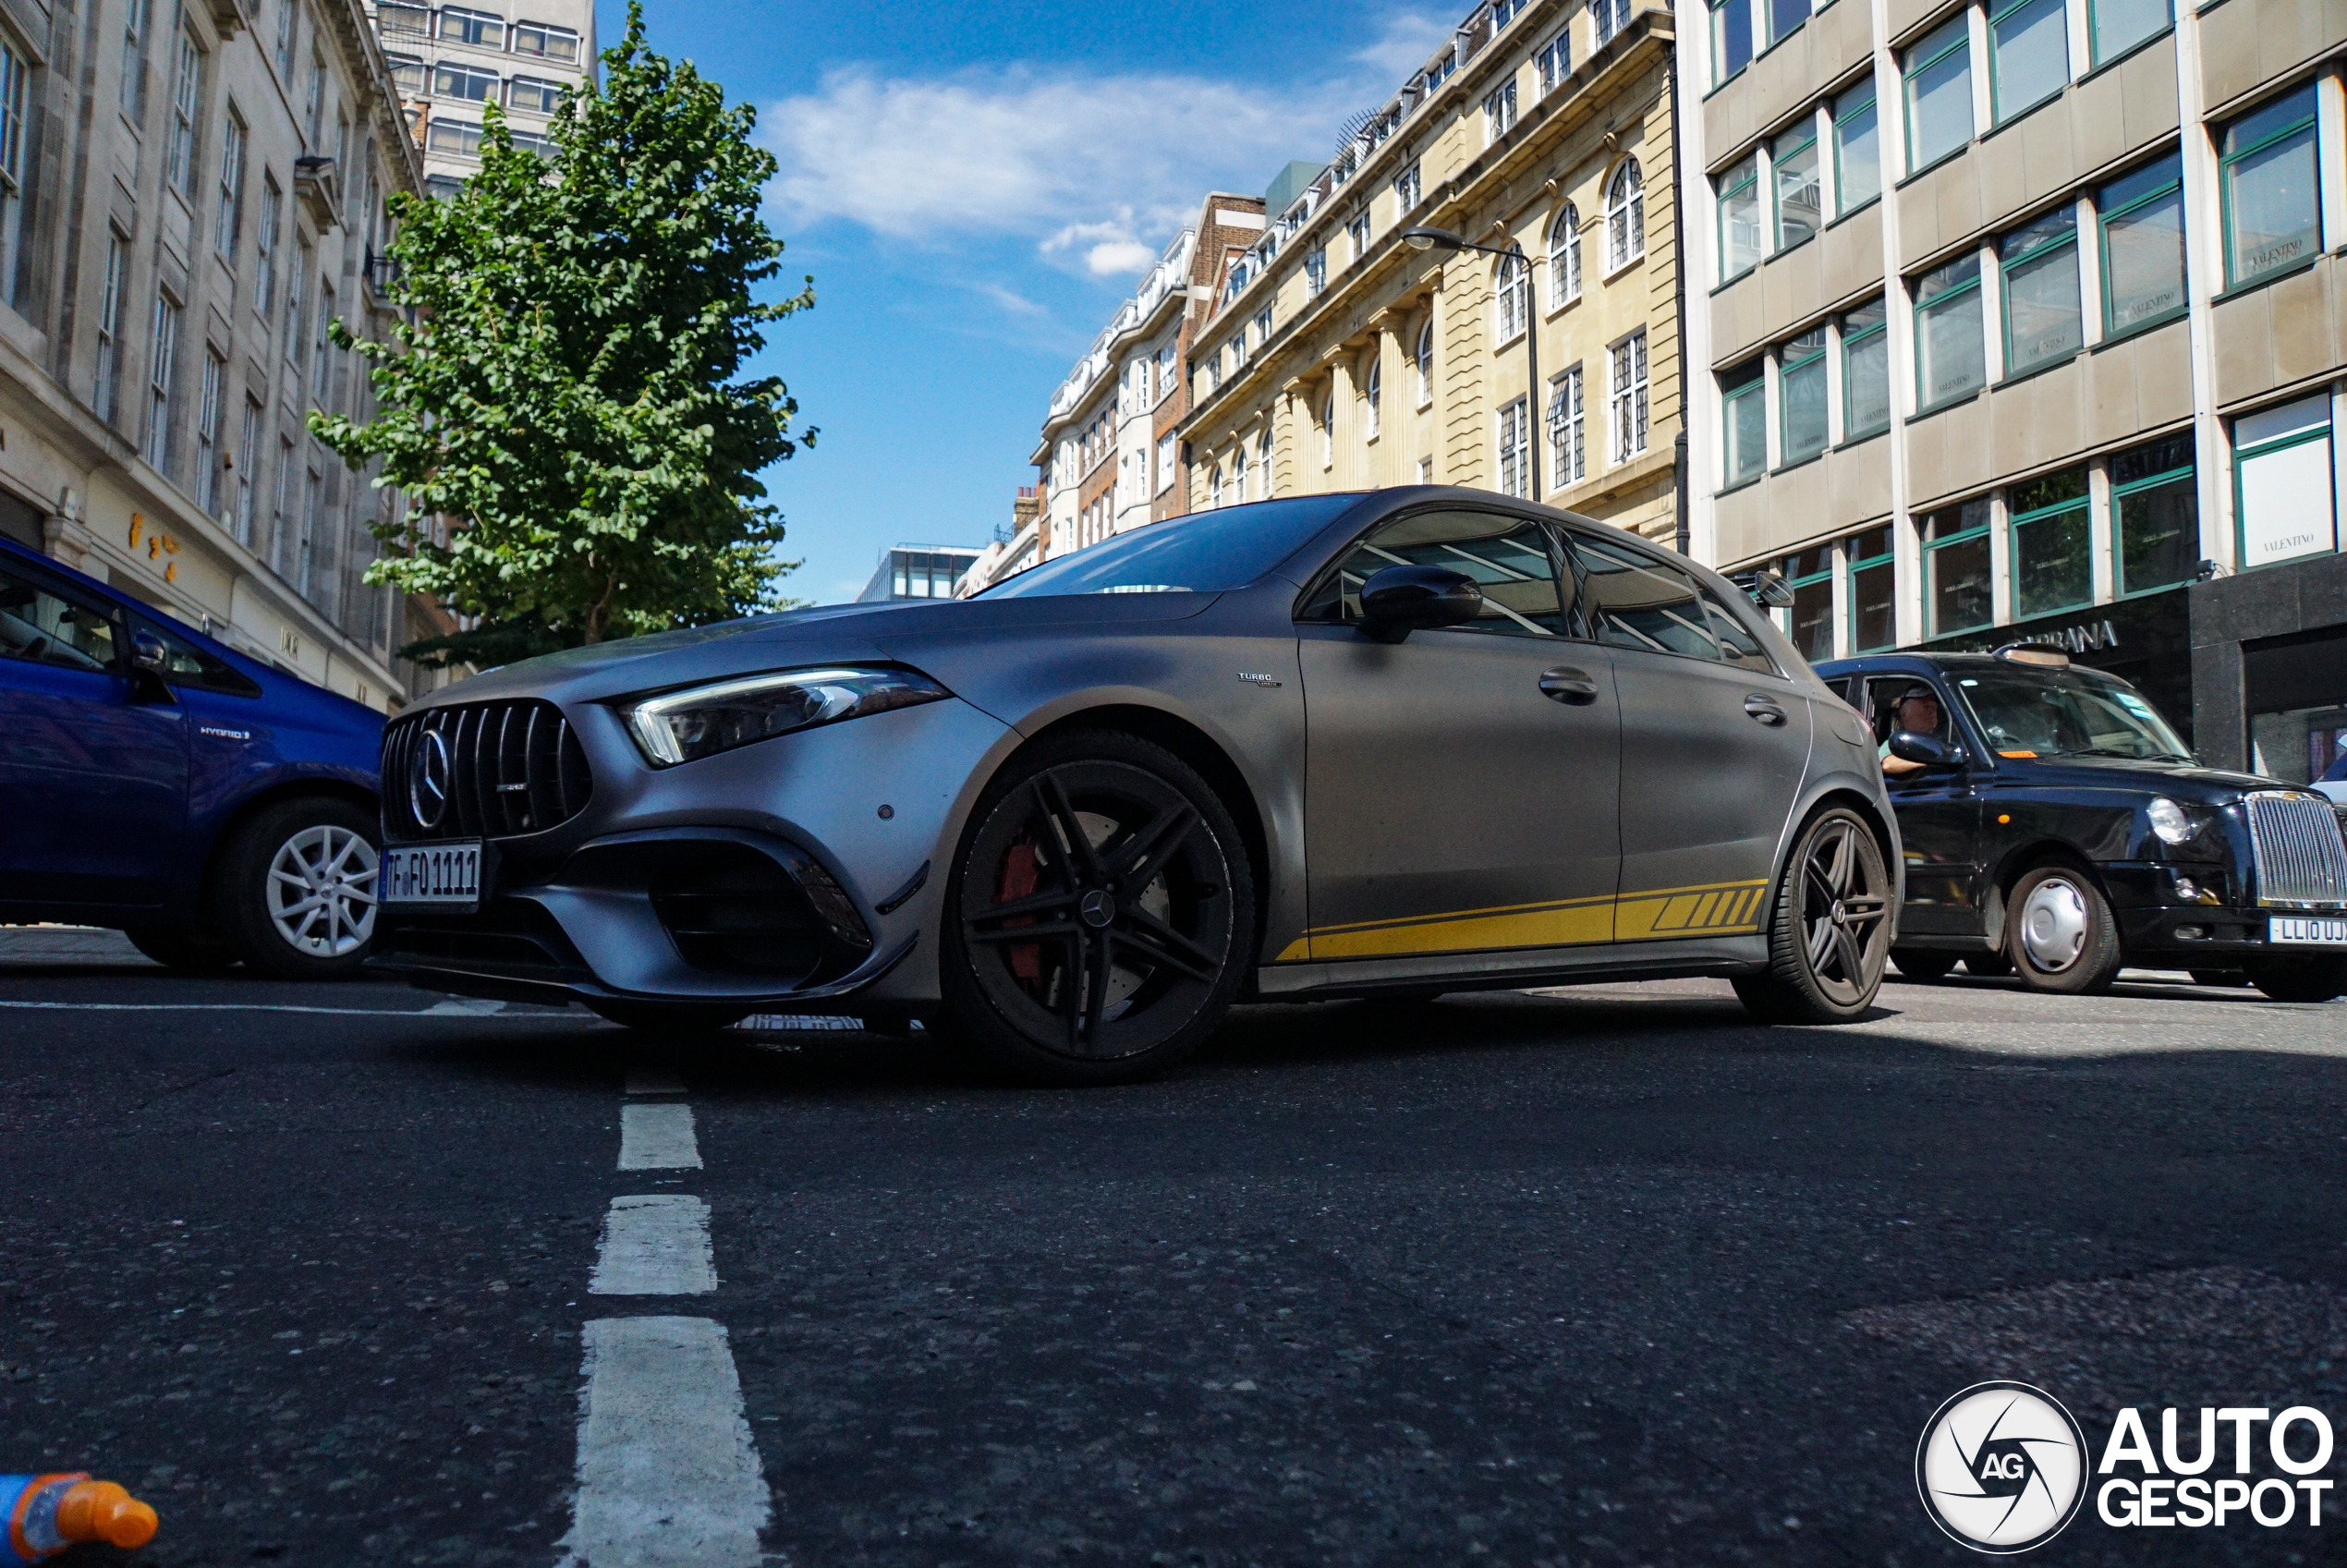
x=1401 y=600
x=148 y=653
x=1932 y=752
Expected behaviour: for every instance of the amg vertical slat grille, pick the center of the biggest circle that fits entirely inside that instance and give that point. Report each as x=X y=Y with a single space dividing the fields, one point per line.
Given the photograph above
x=2301 y=859
x=511 y=768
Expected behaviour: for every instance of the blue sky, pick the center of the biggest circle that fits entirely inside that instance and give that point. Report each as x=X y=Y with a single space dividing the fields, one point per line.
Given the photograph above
x=975 y=187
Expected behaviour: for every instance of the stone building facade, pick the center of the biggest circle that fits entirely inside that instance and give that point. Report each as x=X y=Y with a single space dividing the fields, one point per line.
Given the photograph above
x=1336 y=356
x=189 y=190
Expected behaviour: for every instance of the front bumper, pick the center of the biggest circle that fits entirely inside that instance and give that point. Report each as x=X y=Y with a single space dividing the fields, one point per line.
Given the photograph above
x=2158 y=927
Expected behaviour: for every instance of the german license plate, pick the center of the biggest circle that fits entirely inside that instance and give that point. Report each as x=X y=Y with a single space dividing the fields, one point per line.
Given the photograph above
x=430 y=876
x=2307 y=931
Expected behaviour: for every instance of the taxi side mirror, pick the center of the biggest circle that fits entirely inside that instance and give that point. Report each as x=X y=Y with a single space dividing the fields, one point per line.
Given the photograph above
x=1927 y=750
x=1398 y=600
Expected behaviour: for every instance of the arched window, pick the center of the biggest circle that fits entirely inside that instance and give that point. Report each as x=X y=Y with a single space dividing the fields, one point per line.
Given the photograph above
x=1513 y=282
x=1375 y=388
x=1215 y=488
x=1626 y=215
x=1328 y=430
x=1263 y=462
x=1238 y=474
x=1423 y=360
x=1564 y=258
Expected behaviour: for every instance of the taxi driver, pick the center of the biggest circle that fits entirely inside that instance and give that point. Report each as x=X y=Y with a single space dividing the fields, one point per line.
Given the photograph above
x=1917 y=713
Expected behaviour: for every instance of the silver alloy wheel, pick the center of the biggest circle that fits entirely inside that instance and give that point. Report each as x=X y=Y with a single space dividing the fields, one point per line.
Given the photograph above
x=2053 y=925
x=321 y=891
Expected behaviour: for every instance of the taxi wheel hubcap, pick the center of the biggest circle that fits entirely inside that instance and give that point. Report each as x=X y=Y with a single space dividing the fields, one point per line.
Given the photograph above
x=1843 y=913
x=321 y=891
x=2053 y=925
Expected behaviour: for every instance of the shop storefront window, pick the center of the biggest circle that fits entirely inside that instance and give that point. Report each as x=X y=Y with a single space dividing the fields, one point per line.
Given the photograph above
x=1810 y=575
x=2051 y=568
x=1873 y=591
x=1955 y=547
x=2296 y=688
x=2282 y=483
x=2155 y=499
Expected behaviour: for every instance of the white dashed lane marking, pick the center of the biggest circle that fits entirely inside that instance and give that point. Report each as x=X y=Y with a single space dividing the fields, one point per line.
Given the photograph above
x=657 y=1137
x=667 y=1473
x=656 y=1245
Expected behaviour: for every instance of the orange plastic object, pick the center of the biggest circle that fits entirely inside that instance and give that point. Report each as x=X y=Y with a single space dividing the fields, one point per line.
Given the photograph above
x=2016 y=754
x=105 y=1511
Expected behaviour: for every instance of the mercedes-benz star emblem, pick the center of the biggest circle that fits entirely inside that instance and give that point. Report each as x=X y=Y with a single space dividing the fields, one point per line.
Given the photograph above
x=428 y=780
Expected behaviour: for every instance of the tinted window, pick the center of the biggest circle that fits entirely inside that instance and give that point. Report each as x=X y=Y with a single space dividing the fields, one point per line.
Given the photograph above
x=40 y=625
x=1508 y=557
x=1211 y=553
x=1634 y=601
x=1887 y=709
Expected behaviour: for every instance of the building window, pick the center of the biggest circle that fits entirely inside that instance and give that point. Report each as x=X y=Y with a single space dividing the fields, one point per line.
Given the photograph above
x=458 y=139
x=2117 y=26
x=297 y=343
x=1938 y=78
x=229 y=231
x=530 y=142
x=1874 y=583
x=265 y=246
x=2040 y=287
x=1857 y=150
x=1951 y=352
x=159 y=368
x=406 y=75
x=1238 y=474
x=1564 y=258
x=312 y=487
x=1263 y=460
x=1499 y=112
x=1262 y=332
x=1810 y=575
x=544 y=42
x=2143 y=246
x=1514 y=286
x=1422 y=361
x=2282 y=483
x=1865 y=371
x=468 y=83
x=1740 y=246
x=477 y=28
x=2273 y=219
x=208 y=434
x=1955 y=556
x=1801 y=395
x=2052 y=566
x=1610 y=16
x=1166 y=451
x=1627 y=371
x=281 y=510
x=248 y=454
x=1568 y=455
x=1784 y=15
x=1316 y=271
x=179 y=145
x=1516 y=448
x=1357 y=231
x=288 y=9
x=1235 y=352
x=2028 y=57
x=1328 y=430
x=538 y=97
x=395 y=19
x=322 y=364
x=313 y=107
x=2155 y=498
x=1625 y=217
x=1440 y=70
x=1731 y=38
x=1407 y=191
x=105 y=394
x=1744 y=404
x=1504 y=11
x=15 y=82
x=1373 y=390
x=443 y=188
x=137 y=16
x=1793 y=159
x=1554 y=62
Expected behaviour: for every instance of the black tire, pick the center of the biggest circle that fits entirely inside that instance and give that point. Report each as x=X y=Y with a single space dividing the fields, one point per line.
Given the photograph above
x=668 y=1017
x=1988 y=966
x=2060 y=933
x=2311 y=978
x=258 y=900
x=187 y=951
x=1829 y=927
x=2231 y=978
x=1132 y=876
x=1924 y=967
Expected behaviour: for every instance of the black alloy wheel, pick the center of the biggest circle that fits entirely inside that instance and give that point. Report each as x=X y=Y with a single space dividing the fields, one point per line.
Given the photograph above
x=1102 y=914
x=2314 y=977
x=1829 y=926
x=1917 y=966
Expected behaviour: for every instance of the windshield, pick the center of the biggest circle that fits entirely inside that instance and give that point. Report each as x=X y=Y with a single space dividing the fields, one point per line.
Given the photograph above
x=2067 y=713
x=1210 y=552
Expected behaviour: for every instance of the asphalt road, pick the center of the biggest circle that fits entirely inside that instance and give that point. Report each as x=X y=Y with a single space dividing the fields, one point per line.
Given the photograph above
x=1605 y=1276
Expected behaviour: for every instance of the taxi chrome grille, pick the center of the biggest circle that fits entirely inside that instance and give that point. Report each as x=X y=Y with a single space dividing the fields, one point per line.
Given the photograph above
x=484 y=770
x=2301 y=859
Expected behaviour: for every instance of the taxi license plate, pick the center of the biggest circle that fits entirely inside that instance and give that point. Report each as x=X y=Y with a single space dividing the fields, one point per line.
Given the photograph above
x=2303 y=931
x=430 y=876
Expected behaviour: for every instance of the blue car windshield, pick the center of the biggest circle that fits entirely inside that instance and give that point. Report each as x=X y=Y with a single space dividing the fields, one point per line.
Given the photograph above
x=1208 y=553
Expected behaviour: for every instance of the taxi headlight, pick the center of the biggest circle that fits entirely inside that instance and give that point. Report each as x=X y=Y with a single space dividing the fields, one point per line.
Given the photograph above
x=680 y=727
x=2168 y=820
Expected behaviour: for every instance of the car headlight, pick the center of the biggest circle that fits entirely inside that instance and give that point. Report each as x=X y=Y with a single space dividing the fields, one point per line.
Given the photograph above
x=679 y=726
x=2168 y=820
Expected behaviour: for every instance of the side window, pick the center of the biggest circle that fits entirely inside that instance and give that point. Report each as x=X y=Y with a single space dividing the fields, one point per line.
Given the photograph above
x=45 y=628
x=1738 y=644
x=1906 y=702
x=186 y=664
x=1510 y=558
x=1634 y=601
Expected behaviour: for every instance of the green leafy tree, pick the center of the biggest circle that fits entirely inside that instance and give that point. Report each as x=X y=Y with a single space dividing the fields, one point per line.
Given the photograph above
x=563 y=387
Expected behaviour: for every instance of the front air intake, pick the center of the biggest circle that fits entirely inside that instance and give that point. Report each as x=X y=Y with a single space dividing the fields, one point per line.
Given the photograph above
x=483 y=769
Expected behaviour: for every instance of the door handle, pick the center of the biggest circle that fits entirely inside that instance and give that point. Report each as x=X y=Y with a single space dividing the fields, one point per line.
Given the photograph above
x=1764 y=709
x=1564 y=684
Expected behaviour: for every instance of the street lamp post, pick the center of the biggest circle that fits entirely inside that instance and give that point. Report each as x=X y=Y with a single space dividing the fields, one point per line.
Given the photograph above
x=1428 y=238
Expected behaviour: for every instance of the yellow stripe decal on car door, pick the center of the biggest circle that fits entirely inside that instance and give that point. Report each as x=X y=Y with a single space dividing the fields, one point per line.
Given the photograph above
x=1717 y=909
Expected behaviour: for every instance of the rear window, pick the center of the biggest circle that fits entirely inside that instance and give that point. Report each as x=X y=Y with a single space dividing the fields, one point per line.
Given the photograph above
x=1208 y=553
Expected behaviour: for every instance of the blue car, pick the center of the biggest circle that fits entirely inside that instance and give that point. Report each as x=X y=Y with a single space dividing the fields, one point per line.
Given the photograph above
x=214 y=810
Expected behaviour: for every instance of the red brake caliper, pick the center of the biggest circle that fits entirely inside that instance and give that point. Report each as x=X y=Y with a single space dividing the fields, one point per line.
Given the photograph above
x=1019 y=879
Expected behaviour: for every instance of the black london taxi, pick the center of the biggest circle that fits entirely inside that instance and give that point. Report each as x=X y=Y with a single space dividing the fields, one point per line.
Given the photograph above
x=2056 y=828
